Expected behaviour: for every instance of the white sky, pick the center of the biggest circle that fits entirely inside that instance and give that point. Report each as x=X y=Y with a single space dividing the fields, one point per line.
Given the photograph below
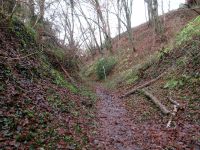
x=139 y=11
x=138 y=16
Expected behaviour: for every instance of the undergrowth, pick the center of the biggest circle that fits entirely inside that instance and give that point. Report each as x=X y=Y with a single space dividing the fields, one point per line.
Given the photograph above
x=37 y=109
x=192 y=29
x=26 y=34
x=61 y=81
x=104 y=67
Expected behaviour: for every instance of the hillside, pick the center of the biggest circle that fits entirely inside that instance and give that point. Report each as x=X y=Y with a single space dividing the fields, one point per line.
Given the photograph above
x=39 y=108
x=146 y=42
x=128 y=115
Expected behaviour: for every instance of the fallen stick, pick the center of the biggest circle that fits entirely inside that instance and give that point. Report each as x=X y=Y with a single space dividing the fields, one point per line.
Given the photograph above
x=163 y=109
x=177 y=106
x=142 y=86
x=65 y=71
x=173 y=114
x=174 y=102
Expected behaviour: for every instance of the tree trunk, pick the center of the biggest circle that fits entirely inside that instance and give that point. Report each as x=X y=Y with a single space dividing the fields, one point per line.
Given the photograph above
x=90 y=27
x=105 y=27
x=42 y=10
x=128 y=12
x=118 y=19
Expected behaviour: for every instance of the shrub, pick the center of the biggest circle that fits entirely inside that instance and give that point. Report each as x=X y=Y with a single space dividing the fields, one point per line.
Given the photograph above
x=104 y=67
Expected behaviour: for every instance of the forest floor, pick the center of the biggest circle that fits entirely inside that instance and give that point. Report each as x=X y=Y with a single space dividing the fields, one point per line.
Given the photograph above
x=121 y=127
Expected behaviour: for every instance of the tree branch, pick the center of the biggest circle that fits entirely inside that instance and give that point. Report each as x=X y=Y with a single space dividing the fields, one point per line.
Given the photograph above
x=143 y=85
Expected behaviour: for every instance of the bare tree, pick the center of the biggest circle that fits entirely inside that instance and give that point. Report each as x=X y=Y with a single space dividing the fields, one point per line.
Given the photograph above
x=42 y=9
x=100 y=36
x=90 y=27
x=169 y=5
x=119 y=12
x=154 y=20
x=116 y=5
x=149 y=10
x=40 y=16
x=105 y=26
x=70 y=24
x=127 y=7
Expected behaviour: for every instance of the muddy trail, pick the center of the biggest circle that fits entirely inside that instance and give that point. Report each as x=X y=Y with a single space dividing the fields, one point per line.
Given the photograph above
x=115 y=127
x=119 y=129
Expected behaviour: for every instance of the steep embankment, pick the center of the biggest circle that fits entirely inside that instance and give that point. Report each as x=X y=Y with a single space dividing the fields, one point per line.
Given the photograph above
x=180 y=83
x=38 y=107
x=146 y=42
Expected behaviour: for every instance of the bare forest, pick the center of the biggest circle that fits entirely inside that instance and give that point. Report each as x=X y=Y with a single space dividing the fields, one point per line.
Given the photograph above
x=100 y=74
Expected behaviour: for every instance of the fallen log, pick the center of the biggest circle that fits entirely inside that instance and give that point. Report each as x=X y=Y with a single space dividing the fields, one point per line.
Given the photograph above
x=163 y=109
x=143 y=85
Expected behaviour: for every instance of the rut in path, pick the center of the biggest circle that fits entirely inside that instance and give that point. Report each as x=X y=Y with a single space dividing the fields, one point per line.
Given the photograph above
x=115 y=127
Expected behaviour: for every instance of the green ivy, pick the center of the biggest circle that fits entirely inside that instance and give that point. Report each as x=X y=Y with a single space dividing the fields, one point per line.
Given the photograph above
x=26 y=34
x=60 y=81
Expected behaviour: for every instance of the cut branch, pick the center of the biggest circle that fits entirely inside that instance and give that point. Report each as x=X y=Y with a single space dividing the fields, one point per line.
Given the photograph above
x=174 y=102
x=143 y=85
x=173 y=114
x=163 y=109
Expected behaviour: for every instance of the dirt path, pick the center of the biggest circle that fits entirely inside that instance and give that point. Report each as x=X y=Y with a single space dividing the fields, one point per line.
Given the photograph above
x=115 y=127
